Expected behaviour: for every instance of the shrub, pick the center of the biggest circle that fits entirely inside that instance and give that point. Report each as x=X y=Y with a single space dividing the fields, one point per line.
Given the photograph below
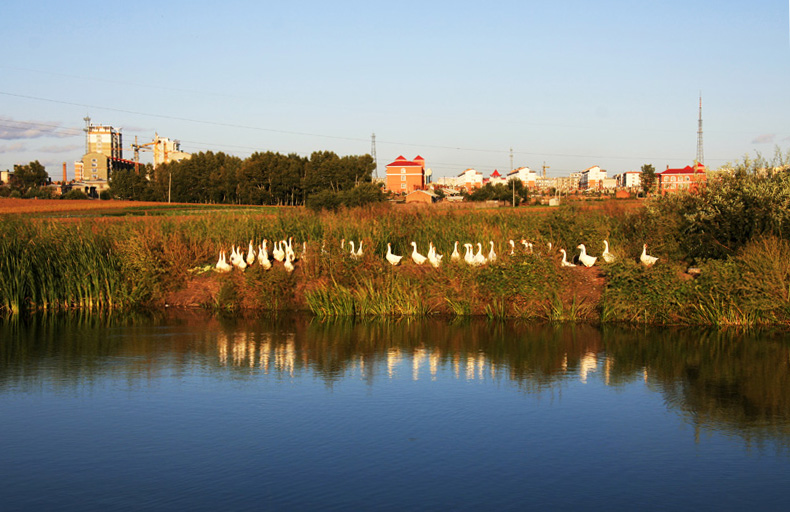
x=75 y=194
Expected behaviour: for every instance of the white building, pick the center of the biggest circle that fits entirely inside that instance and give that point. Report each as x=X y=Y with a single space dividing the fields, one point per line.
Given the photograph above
x=592 y=178
x=497 y=179
x=631 y=180
x=469 y=179
x=527 y=176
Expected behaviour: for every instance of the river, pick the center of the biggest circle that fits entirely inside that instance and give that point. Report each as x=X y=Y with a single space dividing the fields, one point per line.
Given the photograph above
x=183 y=411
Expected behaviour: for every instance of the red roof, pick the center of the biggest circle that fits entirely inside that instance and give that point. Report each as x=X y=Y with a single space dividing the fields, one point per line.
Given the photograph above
x=495 y=174
x=402 y=162
x=686 y=170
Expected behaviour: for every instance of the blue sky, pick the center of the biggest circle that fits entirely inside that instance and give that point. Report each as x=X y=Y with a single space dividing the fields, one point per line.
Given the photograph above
x=569 y=83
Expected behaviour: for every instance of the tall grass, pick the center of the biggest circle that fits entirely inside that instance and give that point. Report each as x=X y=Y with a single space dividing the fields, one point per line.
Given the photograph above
x=103 y=264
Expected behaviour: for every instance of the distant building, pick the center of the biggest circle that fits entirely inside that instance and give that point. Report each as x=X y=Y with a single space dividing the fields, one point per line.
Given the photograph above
x=497 y=179
x=592 y=178
x=470 y=179
x=166 y=151
x=404 y=176
x=631 y=180
x=421 y=197
x=104 y=140
x=103 y=154
x=688 y=179
x=527 y=176
x=5 y=177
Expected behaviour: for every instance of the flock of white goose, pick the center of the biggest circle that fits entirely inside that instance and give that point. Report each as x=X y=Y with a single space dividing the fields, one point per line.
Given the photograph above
x=283 y=252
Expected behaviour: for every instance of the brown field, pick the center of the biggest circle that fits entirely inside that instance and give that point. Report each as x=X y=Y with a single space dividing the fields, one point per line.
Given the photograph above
x=21 y=206
x=38 y=206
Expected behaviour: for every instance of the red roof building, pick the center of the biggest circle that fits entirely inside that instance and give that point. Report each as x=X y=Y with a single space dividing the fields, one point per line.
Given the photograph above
x=688 y=179
x=404 y=176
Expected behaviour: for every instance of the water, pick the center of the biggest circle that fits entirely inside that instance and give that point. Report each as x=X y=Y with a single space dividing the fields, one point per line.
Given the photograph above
x=194 y=413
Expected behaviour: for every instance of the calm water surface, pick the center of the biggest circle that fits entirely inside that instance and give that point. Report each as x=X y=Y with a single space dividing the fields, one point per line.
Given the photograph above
x=194 y=413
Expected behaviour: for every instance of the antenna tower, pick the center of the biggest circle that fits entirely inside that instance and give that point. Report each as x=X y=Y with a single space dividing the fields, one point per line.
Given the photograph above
x=700 y=152
x=373 y=153
x=87 y=120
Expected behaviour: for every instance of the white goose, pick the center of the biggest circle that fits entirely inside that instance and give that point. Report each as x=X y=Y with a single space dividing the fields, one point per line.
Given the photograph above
x=289 y=249
x=433 y=258
x=565 y=262
x=491 y=253
x=479 y=258
x=646 y=259
x=455 y=256
x=392 y=258
x=250 y=255
x=288 y=264
x=237 y=259
x=418 y=258
x=606 y=255
x=469 y=257
x=222 y=264
x=359 y=251
x=584 y=258
x=353 y=252
x=263 y=256
x=512 y=247
x=278 y=252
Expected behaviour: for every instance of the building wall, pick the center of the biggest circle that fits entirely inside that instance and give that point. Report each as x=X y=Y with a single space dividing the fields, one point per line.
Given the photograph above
x=166 y=151
x=679 y=182
x=592 y=178
x=527 y=176
x=95 y=166
x=419 y=197
x=470 y=179
x=405 y=179
x=105 y=140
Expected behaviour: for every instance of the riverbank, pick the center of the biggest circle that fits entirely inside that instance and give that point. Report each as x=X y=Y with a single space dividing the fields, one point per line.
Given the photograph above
x=100 y=263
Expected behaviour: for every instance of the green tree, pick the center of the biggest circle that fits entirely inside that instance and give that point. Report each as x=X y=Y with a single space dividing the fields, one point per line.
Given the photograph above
x=648 y=178
x=29 y=176
x=130 y=185
x=749 y=200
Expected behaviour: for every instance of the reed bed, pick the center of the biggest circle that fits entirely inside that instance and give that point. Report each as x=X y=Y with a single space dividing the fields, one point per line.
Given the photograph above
x=97 y=265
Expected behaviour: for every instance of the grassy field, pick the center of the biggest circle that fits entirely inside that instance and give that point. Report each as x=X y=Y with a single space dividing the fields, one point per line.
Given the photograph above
x=113 y=255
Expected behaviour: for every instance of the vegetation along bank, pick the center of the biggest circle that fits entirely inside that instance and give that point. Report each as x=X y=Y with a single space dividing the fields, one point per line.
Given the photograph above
x=735 y=232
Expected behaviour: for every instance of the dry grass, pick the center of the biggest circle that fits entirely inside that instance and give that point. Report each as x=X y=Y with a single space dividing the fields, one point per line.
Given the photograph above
x=10 y=205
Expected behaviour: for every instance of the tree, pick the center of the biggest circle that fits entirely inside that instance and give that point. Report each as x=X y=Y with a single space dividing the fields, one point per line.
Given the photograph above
x=648 y=178
x=130 y=185
x=29 y=176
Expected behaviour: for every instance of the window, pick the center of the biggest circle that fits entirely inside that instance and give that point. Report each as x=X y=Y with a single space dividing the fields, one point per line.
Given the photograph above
x=403 y=185
x=403 y=178
x=403 y=170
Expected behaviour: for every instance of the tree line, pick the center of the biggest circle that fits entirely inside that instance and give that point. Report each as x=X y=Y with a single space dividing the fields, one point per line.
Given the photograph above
x=263 y=178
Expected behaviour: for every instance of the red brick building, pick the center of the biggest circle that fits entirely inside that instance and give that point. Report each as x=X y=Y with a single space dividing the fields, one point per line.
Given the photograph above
x=404 y=176
x=688 y=179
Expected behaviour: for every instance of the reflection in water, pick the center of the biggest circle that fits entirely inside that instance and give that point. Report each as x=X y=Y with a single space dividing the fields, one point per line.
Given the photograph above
x=716 y=380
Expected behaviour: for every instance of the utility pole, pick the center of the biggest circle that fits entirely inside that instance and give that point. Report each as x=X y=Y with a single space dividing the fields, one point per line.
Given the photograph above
x=511 y=159
x=514 y=192
x=700 y=153
x=373 y=153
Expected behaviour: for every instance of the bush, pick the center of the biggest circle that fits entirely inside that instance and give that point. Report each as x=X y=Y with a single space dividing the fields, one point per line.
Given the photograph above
x=731 y=210
x=75 y=194
x=105 y=195
x=324 y=200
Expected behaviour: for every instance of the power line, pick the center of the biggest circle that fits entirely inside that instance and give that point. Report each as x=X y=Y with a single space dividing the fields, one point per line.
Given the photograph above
x=308 y=134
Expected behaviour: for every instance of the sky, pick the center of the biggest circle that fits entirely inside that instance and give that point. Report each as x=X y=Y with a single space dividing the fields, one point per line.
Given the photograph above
x=566 y=84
